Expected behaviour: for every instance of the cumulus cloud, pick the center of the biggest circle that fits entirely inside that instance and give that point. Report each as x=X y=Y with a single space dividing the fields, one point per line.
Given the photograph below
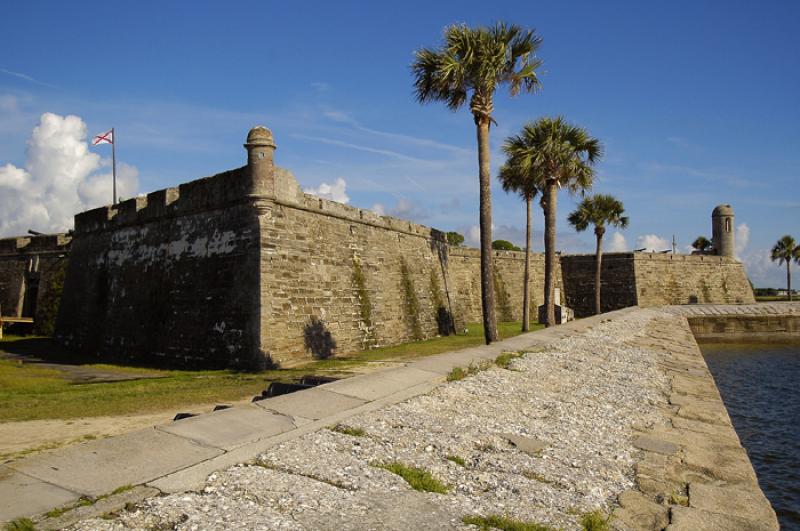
x=334 y=192
x=742 y=238
x=762 y=271
x=618 y=243
x=473 y=236
x=379 y=209
x=61 y=177
x=652 y=242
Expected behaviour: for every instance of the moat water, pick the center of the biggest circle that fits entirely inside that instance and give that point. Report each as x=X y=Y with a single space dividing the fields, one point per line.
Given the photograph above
x=760 y=385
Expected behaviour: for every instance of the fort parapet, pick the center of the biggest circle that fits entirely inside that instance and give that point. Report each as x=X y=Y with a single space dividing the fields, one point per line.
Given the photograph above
x=242 y=269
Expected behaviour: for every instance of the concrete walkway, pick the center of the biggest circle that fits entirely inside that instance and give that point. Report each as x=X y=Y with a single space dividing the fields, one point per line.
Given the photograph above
x=179 y=456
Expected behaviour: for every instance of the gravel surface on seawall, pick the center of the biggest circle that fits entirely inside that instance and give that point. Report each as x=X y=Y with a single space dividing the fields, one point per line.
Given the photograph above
x=582 y=396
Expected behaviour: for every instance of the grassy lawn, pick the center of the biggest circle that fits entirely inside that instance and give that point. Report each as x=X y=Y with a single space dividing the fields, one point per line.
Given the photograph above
x=31 y=392
x=773 y=298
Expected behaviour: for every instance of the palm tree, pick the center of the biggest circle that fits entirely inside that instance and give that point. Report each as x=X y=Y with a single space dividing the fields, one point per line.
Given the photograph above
x=786 y=250
x=564 y=155
x=472 y=62
x=601 y=211
x=527 y=186
x=702 y=244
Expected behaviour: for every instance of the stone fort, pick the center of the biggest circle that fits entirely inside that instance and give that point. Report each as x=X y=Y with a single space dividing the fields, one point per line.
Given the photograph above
x=243 y=270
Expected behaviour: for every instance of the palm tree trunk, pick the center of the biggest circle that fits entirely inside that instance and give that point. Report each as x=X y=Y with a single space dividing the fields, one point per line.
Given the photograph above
x=597 y=269
x=789 y=279
x=487 y=276
x=550 y=252
x=525 y=289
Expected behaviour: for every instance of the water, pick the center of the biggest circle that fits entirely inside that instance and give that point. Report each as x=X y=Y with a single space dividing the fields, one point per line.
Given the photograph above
x=760 y=385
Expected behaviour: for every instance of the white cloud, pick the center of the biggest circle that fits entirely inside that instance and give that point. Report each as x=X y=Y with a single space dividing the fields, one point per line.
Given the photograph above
x=334 y=192
x=473 y=236
x=618 y=243
x=742 y=237
x=762 y=271
x=379 y=209
x=60 y=179
x=652 y=242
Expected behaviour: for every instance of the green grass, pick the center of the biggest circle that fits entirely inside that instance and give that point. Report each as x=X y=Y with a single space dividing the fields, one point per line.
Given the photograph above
x=348 y=430
x=773 y=298
x=85 y=502
x=505 y=359
x=457 y=460
x=459 y=373
x=20 y=524
x=425 y=347
x=30 y=392
x=595 y=521
x=418 y=478
x=503 y=523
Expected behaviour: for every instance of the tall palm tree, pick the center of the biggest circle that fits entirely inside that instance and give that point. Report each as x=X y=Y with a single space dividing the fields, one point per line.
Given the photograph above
x=527 y=186
x=471 y=63
x=564 y=155
x=786 y=250
x=702 y=244
x=601 y=211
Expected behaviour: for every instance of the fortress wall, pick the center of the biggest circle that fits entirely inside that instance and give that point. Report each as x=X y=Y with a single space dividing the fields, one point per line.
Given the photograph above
x=233 y=269
x=618 y=288
x=169 y=278
x=327 y=273
x=465 y=270
x=332 y=268
x=650 y=279
x=663 y=279
x=31 y=272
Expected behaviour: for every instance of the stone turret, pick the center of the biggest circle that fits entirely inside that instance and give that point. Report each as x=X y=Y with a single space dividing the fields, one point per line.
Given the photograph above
x=260 y=148
x=722 y=231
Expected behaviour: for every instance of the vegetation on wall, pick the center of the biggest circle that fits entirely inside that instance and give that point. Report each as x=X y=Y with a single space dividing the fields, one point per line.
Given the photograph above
x=444 y=320
x=364 y=304
x=411 y=302
x=48 y=303
x=503 y=301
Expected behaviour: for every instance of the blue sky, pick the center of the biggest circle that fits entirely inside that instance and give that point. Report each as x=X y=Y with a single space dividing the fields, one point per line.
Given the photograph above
x=695 y=103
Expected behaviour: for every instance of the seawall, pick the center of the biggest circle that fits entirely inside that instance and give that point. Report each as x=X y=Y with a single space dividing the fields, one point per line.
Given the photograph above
x=776 y=322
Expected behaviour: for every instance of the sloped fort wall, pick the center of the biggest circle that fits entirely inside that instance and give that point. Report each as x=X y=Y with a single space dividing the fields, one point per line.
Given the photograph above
x=243 y=268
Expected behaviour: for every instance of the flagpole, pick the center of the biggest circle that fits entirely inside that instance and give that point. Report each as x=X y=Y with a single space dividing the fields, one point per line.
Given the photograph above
x=114 y=163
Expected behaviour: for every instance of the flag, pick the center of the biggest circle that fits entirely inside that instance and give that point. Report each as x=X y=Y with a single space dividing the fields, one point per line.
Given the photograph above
x=104 y=138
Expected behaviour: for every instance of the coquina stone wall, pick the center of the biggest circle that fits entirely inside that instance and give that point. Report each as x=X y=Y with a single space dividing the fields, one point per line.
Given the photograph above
x=338 y=275
x=651 y=279
x=171 y=278
x=689 y=279
x=243 y=269
x=31 y=277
